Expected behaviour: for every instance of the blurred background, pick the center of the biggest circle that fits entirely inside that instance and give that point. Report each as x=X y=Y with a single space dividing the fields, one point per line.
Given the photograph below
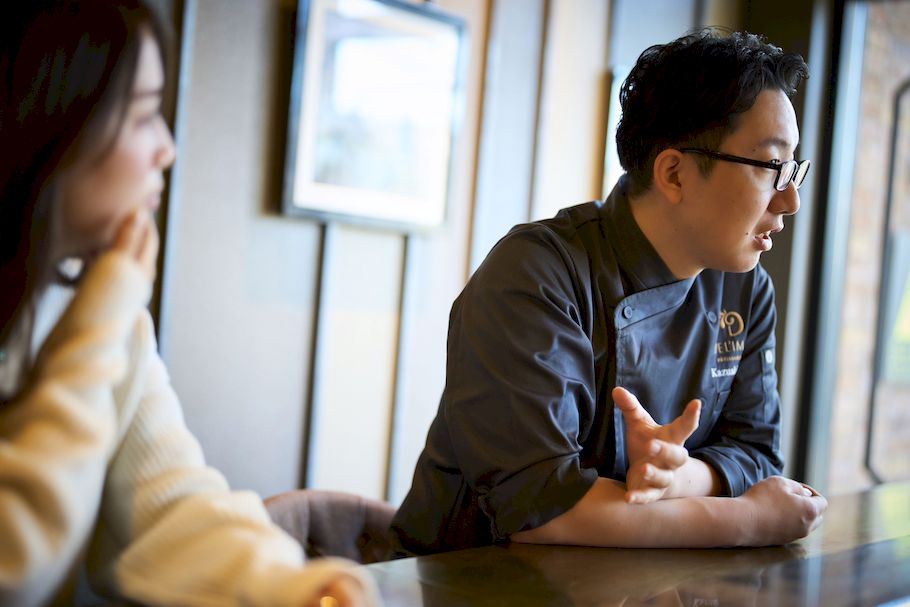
x=308 y=349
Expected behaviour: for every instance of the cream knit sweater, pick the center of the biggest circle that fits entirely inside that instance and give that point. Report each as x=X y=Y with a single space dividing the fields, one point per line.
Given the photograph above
x=97 y=466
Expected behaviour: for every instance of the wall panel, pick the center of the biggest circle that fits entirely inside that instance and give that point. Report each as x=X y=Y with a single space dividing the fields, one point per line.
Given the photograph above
x=241 y=284
x=510 y=113
x=356 y=358
x=437 y=269
x=570 y=140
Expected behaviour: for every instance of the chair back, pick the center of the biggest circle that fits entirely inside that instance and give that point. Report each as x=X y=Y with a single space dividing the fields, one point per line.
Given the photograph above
x=335 y=523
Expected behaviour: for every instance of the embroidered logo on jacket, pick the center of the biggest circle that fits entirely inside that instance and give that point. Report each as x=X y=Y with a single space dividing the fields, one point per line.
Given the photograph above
x=729 y=348
x=732 y=322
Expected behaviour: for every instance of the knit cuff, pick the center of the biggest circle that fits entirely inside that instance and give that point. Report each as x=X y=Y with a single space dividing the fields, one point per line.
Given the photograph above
x=294 y=586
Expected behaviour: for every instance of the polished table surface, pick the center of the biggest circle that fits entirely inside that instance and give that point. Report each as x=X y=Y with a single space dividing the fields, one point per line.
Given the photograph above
x=859 y=556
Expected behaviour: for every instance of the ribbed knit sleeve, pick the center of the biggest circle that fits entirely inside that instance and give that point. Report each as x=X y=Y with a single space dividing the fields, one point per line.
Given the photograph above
x=57 y=437
x=173 y=534
x=96 y=462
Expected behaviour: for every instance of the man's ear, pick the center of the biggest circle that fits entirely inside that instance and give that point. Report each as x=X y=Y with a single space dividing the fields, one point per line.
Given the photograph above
x=668 y=178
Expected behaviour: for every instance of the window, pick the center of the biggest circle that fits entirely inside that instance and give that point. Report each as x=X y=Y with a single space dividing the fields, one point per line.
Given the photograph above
x=871 y=406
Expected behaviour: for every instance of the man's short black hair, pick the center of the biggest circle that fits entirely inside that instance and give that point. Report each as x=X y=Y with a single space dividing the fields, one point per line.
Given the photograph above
x=691 y=92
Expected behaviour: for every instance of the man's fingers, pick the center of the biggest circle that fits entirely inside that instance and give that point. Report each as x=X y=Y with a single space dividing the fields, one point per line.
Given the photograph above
x=631 y=409
x=643 y=496
x=657 y=477
x=811 y=491
x=647 y=483
x=683 y=426
x=666 y=455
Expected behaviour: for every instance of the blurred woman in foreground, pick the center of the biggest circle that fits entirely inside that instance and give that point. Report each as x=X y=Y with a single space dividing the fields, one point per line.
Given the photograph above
x=96 y=464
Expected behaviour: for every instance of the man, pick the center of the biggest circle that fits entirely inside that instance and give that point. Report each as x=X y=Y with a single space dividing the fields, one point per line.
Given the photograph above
x=653 y=300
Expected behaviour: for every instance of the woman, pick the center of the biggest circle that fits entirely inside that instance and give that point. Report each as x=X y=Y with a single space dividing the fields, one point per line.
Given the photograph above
x=96 y=464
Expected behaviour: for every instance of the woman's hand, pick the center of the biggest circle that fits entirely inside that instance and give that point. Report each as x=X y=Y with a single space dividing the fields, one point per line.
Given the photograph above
x=137 y=237
x=342 y=592
x=100 y=297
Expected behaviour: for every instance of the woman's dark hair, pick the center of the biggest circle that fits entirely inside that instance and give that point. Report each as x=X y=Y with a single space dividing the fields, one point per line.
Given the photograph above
x=67 y=69
x=691 y=92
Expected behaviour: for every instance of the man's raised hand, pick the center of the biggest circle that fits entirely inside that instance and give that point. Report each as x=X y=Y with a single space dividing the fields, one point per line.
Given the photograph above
x=655 y=451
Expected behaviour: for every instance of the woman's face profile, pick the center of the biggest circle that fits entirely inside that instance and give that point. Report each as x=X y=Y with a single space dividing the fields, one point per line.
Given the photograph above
x=97 y=196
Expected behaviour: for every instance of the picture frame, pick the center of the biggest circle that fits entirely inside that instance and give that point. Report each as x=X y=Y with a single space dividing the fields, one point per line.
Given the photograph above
x=376 y=102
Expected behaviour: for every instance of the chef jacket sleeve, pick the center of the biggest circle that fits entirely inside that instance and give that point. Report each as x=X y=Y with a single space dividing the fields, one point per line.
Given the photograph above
x=520 y=381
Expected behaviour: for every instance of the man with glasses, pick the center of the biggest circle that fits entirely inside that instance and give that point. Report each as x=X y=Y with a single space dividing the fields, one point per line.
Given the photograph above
x=789 y=171
x=610 y=375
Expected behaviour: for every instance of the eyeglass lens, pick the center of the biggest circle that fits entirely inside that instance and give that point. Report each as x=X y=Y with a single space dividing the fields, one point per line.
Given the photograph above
x=792 y=171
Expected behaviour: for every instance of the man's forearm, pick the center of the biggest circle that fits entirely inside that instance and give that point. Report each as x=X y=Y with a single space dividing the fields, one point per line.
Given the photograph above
x=603 y=518
x=695 y=478
x=774 y=511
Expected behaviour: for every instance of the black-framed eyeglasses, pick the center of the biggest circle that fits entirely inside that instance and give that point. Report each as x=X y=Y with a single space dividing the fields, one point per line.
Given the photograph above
x=787 y=171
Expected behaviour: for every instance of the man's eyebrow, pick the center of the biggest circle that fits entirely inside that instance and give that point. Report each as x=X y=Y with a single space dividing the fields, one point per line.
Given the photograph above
x=775 y=141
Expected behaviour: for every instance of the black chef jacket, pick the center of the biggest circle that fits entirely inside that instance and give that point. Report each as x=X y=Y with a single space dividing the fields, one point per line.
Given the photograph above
x=559 y=313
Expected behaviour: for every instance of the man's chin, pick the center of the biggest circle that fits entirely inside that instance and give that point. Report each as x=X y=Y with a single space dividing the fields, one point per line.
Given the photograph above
x=740 y=266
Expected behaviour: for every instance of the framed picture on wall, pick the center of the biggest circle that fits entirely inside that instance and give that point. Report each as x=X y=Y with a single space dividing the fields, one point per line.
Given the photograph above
x=376 y=98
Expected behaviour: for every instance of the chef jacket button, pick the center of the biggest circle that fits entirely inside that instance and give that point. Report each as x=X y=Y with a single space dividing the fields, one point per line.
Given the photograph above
x=712 y=316
x=627 y=312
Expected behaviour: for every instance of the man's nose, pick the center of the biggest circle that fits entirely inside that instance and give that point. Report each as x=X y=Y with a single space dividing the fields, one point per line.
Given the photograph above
x=786 y=202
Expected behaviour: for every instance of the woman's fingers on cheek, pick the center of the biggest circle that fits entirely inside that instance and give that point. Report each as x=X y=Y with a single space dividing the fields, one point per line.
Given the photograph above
x=143 y=238
x=149 y=254
x=127 y=233
x=137 y=237
x=145 y=244
x=155 y=240
x=149 y=242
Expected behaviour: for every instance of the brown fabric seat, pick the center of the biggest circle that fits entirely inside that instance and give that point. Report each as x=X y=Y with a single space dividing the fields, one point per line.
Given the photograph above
x=334 y=523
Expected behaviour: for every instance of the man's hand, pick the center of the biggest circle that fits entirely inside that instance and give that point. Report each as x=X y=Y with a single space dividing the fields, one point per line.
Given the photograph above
x=655 y=452
x=783 y=510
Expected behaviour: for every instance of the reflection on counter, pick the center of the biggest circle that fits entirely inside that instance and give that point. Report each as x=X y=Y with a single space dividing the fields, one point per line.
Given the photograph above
x=860 y=556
